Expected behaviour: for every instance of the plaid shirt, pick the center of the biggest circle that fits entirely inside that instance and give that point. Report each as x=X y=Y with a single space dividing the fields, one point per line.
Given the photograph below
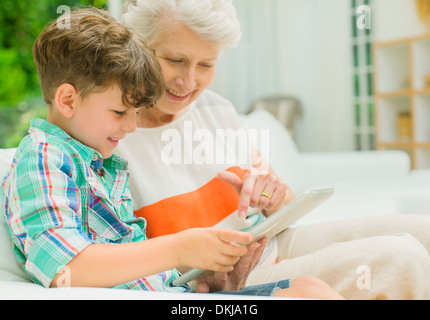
x=60 y=196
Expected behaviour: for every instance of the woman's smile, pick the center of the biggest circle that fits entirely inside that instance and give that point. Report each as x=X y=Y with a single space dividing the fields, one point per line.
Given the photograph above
x=176 y=96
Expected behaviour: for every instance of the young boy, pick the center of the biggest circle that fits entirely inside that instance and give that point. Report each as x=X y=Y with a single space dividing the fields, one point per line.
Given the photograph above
x=66 y=197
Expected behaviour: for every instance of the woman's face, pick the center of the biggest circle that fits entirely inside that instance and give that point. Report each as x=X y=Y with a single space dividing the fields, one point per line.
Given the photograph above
x=188 y=65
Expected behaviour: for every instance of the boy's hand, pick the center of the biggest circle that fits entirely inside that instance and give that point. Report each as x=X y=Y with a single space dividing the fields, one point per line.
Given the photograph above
x=211 y=249
x=235 y=280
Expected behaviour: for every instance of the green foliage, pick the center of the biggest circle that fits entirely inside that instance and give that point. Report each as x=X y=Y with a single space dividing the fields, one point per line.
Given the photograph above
x=14 y=77
x=15 y=120
x=21 y=21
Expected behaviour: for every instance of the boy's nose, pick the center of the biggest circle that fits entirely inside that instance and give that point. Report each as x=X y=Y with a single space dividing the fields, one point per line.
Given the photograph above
x=130 y=124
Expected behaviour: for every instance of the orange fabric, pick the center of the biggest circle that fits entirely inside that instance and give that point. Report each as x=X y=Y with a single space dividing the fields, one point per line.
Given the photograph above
x=203 y=207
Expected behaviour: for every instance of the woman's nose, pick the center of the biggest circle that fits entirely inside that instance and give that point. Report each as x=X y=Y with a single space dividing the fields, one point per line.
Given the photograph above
x=187 y=79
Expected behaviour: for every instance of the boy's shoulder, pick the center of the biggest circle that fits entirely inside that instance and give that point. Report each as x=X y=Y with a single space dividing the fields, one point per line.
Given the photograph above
x=43 y=136
x=47 y=145
x=46 y=142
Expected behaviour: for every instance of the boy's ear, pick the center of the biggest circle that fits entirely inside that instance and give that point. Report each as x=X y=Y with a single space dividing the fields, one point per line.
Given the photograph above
x=66 y=98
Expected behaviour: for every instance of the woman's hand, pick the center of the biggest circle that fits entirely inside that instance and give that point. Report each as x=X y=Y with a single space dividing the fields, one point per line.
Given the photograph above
x=259 y=190
x=235 y=280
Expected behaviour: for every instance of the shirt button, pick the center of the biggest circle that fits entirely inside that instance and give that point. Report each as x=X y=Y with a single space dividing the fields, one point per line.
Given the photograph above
x=95 y=157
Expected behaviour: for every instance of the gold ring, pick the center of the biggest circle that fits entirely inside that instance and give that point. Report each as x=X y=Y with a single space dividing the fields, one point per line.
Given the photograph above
x=266 y=194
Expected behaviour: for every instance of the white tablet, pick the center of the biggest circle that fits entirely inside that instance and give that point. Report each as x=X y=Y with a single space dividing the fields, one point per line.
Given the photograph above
x=275 y=223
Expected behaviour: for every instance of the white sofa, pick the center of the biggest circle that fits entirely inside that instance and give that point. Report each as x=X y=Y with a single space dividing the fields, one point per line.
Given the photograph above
x=366 y=183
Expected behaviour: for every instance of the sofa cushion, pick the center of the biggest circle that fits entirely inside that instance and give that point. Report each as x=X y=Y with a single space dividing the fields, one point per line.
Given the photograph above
x=10 y=270
x=283 y=155
x=6 y=156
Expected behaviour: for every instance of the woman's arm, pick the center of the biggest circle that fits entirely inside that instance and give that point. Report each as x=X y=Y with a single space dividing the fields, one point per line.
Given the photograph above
x=108 y=265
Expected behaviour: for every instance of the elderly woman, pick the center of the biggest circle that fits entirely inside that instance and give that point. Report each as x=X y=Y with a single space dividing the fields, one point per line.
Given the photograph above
x=184 y=175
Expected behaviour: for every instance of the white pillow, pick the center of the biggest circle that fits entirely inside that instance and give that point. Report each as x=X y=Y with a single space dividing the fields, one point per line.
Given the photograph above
x=10 y=270
x=6 y=156
x=283 y=154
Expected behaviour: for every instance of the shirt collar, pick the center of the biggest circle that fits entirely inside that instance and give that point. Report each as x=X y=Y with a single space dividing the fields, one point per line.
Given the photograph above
x=91 y=156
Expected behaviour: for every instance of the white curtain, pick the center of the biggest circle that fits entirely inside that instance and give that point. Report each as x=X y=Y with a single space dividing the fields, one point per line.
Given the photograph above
x=299 y=48
x=115 y=8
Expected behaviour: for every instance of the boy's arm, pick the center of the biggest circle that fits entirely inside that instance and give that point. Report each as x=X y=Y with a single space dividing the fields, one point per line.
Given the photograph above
x=42 y=211
x=108 y=265
x=43 y=216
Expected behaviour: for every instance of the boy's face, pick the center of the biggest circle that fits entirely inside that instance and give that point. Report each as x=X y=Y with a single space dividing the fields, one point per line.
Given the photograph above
x=101 y=119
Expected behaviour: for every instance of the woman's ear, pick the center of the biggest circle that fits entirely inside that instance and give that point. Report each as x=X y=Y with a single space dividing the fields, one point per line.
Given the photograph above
x=66 y=98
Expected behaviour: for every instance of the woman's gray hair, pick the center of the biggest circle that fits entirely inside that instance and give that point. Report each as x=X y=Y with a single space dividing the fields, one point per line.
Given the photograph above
x=213 y=20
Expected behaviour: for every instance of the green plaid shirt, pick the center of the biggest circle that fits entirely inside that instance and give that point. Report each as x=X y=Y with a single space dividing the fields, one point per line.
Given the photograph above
x=60 y=196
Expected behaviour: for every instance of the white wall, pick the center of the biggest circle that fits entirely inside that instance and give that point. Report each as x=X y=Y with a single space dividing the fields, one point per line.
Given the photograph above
x=298 y=48
x=303 y=48
x=395 y=19
x=115 y=8
x=251 y=70
x=320 y=65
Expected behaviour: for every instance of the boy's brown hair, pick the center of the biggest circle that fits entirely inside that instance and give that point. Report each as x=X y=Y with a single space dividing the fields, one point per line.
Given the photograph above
x=93 y=52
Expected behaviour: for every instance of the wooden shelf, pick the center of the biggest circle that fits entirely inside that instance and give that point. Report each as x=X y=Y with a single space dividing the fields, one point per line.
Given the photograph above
x=395 y=93
x=402 y=92
x=402 y=97
x=422 y=145
x=402 y=144
x=394 y=145
x=425 y=91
